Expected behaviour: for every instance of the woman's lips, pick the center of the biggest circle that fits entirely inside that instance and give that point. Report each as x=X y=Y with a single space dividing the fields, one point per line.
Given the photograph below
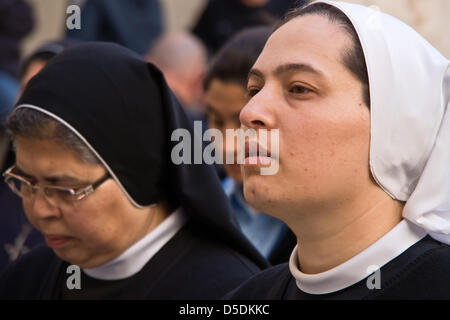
x=257 y=161
x=257 y=155
x=55 y=241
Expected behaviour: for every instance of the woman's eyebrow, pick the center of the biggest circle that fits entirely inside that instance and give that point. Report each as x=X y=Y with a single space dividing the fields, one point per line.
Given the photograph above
x=51 y=179
x=62 y=178
x=297 y=67
x=20 y=172
x=286 y=68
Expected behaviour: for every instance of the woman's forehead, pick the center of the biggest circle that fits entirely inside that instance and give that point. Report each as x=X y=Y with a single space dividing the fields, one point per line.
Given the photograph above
x=306 y=38
x=34 y=154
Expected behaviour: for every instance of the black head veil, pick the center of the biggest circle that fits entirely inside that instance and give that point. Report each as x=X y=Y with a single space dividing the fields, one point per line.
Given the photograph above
x=123 y=110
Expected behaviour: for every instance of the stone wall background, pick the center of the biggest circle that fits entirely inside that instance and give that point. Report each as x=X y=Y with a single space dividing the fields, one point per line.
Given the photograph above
x=431 y=18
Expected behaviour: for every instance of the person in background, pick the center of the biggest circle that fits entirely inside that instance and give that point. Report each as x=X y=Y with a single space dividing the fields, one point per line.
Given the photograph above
x=94 y=171
x=363 y=113
x=37 y=60
x=221 y=19
x=17 y=235
x=182 y=58
x=16 y=21
x=135 y=24
x=225 y=96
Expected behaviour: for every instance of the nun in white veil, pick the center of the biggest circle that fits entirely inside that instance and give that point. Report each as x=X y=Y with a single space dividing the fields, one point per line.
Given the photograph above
x=409 y=160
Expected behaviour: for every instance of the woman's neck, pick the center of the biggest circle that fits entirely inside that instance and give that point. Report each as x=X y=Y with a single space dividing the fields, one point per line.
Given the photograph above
x=327 y=239
x=160 y=212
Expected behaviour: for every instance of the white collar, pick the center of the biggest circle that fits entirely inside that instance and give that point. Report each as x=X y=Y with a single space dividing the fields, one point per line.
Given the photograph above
x=391 y=245
x=135 y=257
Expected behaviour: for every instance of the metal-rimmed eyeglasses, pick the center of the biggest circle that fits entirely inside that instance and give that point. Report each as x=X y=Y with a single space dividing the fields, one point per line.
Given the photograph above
x=55 y=195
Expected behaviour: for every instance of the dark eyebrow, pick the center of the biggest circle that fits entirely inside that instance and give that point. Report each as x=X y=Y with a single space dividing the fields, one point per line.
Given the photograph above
x=51 y=179
x=286 y=68
x=20 y=172
x=63 y=178
x=296 y=67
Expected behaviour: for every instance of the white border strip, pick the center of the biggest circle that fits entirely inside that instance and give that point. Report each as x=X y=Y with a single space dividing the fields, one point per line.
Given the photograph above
x=89 y=146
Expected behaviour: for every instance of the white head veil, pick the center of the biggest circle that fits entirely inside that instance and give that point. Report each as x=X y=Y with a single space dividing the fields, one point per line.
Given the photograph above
x=409 y=84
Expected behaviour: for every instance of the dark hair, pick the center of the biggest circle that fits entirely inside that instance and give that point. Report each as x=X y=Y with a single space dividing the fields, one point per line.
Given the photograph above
x=353 y=58
x=30 y=123
x=237 y=56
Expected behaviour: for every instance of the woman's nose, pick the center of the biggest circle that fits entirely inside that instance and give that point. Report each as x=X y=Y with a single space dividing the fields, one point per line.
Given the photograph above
x=258 y=112
x=41 y=207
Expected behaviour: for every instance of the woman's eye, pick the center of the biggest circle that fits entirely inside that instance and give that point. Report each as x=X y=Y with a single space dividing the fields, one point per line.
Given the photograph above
x=299 y=90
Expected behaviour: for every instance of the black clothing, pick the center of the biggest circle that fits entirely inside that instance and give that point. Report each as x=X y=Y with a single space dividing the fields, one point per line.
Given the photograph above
x=189 y=266
x=284 y=248
x=421 y=272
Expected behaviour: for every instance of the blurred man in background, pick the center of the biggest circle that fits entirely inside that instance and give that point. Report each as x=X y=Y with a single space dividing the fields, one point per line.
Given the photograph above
x=182 y=58
x=225 y=95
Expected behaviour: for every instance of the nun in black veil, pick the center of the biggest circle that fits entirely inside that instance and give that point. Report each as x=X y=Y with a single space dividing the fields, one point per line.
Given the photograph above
x=93 y=141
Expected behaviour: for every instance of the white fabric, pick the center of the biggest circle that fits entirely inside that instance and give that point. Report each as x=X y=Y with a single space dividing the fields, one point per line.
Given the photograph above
x=391 y=245
x=410 y=118
x=134 y=258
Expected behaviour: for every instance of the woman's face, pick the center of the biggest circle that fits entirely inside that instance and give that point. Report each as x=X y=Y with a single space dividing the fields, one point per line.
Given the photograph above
x=300 y=86
x=95 y=229
x=224 y=102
